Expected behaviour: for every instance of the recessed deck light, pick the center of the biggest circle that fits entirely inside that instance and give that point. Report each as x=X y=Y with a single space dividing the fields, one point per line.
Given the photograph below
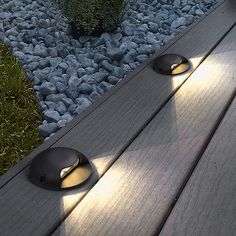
x=59 y=168
x=171 y=64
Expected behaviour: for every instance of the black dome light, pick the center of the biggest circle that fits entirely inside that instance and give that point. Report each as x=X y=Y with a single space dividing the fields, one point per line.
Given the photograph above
x=59 y=168
x=171 y=64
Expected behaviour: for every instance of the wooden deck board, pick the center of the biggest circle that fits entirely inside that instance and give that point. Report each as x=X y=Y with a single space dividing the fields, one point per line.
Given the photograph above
x=137 y=192
x=25 y=207
x=207 y=205
x=218 y=19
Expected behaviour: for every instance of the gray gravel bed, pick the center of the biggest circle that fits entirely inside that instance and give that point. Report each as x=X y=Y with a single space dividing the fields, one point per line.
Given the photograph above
x=68 y=75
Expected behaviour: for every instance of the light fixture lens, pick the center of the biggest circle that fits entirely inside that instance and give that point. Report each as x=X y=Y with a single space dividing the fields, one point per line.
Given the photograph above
x=67 y=170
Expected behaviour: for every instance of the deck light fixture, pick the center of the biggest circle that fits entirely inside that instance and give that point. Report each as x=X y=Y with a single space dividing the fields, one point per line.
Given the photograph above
x=171 y=64
x=59 y=168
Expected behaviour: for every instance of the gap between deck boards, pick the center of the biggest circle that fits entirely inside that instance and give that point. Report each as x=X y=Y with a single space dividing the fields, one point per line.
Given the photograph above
x=207 y=204
x=198 y=159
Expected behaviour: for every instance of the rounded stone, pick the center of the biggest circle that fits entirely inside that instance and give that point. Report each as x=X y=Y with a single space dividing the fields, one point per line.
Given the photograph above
x=51 y=116
x=85 y=88
x=61 y=108
x=61 y=123
x=46 y=129
x=47 y=88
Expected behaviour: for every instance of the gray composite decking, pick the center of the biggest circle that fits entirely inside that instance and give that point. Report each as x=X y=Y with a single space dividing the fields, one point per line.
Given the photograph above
x=143 y=183
x=144 y=139
x=207 y=205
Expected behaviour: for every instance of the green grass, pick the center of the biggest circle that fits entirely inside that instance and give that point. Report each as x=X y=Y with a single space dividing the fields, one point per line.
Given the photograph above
x=19 y=113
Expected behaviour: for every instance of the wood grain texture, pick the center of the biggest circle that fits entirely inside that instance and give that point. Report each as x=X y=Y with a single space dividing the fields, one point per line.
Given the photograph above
x=137 y=192
x=195 y=27
x=102 y=135
x=207 y=205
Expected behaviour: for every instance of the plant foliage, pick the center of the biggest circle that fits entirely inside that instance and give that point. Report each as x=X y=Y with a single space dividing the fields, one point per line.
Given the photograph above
x=91 y=16
x=19 y=113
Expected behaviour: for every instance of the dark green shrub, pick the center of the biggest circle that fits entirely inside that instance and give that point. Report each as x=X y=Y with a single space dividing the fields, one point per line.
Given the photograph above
x=93 y=16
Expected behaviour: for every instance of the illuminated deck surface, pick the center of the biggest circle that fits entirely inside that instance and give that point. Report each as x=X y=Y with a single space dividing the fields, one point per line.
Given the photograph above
x=163 y=150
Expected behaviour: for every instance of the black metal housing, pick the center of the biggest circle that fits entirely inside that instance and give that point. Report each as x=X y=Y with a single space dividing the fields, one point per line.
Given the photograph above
x=59 y=168
x=171 y=64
